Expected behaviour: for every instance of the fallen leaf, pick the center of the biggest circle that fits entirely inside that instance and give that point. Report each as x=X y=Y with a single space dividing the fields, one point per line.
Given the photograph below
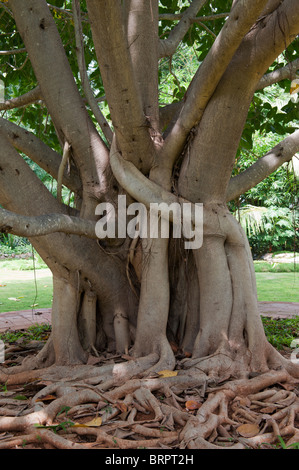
x=168 y=373
x=14 y=299
x=94 y=423
x=47 y=398
x=192 y=405
x=248 y=430
x=122 y=407
x=174 y=347
x=243 y=401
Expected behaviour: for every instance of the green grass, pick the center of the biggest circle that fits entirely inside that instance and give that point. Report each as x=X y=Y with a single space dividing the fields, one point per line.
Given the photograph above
x=18 y=290
x=264 y=267
x=22 y=295
x=277 y=287
x=21 y=264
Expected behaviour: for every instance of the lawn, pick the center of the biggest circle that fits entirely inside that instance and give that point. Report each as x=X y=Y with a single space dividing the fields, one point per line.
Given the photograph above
x=277 y=287
x=22 y=288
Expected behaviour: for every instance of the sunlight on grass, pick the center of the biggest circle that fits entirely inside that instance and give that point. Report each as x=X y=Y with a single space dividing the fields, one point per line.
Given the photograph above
x=278 y=287
x=18 y=290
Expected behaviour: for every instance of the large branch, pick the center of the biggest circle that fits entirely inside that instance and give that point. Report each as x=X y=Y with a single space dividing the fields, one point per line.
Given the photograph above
x=21 y=190
x=169 y=46
x=195 y=19
x=121 y=88
x=242 y=17
x=287 y=72
x=25 y=226
x=40 y=153
x=213 y=149
x=138 y=186
x=60 y=93
x=141 y=20
x=24 y=100
x=281 y=153
x=84 y=76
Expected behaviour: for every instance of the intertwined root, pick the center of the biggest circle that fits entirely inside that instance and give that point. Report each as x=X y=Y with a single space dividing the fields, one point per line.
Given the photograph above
x=112 y=406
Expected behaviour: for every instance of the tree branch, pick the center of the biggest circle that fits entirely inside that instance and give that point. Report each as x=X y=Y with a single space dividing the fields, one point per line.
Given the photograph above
x=243 y=15
x=61 y=95
x=281 y=153
x=25 y=226
x=24 y=100
x=169 y=46
x=138 y=186
x=62 y=167
x=14 y=51
x=287 y=72
x=141 y=20
x=40 y=153
x=195 y=19
x=83 y=73
x=125 y=102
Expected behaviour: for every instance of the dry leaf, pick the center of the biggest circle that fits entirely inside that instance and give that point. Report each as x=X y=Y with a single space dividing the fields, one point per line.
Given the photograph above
x=243 y=401
x=94 y=423
x=168 y=373
x=122 y=407
x=47 y=398
x=192 y=405
x=248 y=430
x=174 y=347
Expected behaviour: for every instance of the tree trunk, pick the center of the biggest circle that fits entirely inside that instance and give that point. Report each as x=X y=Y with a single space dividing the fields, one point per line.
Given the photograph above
x=150 y=297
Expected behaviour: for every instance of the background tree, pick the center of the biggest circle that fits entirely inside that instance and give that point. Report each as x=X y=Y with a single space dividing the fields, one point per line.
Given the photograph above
x=84 y=90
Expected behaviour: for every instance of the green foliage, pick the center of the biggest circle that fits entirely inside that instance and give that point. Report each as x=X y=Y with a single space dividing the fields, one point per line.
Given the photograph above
x=38 y=332
x=274 y=267
x=283 y=445
x=281 y=332
x=10 y=244
x=269 y=211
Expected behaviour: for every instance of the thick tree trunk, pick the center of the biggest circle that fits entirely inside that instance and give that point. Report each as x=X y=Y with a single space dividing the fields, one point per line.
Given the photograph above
x=201 y=301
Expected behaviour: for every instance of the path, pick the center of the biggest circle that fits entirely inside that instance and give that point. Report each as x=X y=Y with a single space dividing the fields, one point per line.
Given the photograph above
x=23 y=319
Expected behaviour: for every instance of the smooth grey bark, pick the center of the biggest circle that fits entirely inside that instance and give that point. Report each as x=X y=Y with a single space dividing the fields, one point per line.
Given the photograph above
x=60 y=93
x=40 y=153
x=125 y=102
x=75 y=261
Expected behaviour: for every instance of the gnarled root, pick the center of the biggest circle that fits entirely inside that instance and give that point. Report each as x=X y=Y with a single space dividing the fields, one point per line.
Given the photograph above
x=149 y=411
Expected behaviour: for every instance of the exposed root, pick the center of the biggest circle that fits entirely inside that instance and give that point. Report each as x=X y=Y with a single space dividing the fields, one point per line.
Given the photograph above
x=114 y=405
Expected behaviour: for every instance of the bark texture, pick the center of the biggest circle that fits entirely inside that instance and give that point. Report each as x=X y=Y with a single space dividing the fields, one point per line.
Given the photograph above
x=158 y=305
